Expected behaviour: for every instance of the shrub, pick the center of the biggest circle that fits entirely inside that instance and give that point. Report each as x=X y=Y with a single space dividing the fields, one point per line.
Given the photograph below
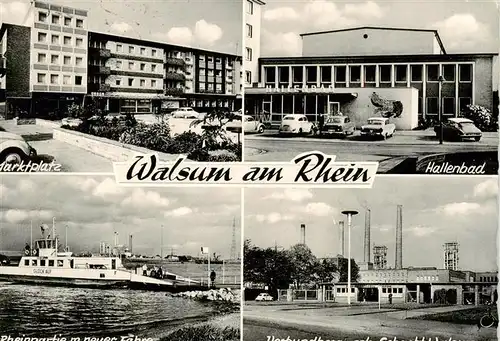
x=481 y=116
x=185 y=143
x=224 y=157
x=200 y=154
x=155 y=136
x=204 y=333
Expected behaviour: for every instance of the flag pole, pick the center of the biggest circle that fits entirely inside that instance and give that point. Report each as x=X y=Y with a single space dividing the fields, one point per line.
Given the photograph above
x=31 y=235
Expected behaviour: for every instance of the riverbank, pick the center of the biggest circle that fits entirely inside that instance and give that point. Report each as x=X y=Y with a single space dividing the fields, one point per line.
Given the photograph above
x=222 y=328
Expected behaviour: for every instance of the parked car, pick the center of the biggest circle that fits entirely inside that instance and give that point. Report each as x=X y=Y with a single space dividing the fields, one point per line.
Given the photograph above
x=185 y=112
x=72 y=122
x=338 y=125
x=264 y=296
x=14 y=149
x=252 y=125
x=378 y=127
x=459 y=129
x=296 y=124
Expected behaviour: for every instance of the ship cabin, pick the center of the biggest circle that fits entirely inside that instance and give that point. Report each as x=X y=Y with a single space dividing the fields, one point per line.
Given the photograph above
x=46 y=255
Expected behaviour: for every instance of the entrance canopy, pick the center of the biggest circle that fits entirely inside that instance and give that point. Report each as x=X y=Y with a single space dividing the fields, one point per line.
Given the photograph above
x=342 y=93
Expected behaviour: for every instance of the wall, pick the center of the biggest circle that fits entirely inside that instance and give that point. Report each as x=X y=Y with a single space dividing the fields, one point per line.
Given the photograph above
x=255 y=20
x=18 y=61
x=378 y=42
x=360 y=109
x=483 y=82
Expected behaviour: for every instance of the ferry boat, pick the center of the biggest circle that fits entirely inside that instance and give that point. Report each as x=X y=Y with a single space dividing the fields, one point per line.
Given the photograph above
x=45 y=265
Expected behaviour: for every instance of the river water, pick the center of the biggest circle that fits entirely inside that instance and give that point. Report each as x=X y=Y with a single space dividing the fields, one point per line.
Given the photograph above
x=40 y=311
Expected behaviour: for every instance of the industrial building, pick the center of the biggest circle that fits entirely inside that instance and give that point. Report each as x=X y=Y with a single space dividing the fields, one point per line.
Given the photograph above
x=405 y=74
x=54 y=60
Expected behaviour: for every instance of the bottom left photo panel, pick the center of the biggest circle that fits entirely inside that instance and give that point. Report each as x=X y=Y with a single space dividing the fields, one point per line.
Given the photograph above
x=84 y=259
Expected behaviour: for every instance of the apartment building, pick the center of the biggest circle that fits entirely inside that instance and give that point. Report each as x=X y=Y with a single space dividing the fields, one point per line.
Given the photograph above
x=52 y=61
x=252 y=31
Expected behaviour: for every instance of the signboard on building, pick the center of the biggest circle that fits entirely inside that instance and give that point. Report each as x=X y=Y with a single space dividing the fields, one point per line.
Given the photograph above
x=298 y=89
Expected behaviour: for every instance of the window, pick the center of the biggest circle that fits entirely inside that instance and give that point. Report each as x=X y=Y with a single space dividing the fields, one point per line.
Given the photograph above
x=60 y=262
x=51 y=262
x=130 y=49
x=449 y=73
x=248 y=77
x=465 y=72
x=66 y=79
x=119 y=48
x=432 y=105
x=26 y=262
x=249 y=7
x=42 y=37
x=67 y=40
x=118 y=64
x=78 y=80
x=449 y=105
x=385 y=73
x=42 y=58
x=248 y=53
x=130 y=65
x=67 y=60
x=416 y=73
x=355 y=74
x=42 y=16
x=79 y=23
x=42 y=262
x=55 y=39
x=55 y=19
x=130 y=82
x=143 y=51
x=153 y=83
x=79 y=61
x=143 y=67
x=54 y=59
x=401 y=71
x=384 y=290
x=202 y=86
x=41 y=78
x=153 y=52
x=249 y=31
x=79 y=42
x=340 y=72
x=67 y=21
x=463 y=102
x=370 y=73
x=143 y=83
x=34 y=262
x=432 y=73
x=54 y=79
x=153 y=68
x=118 y=82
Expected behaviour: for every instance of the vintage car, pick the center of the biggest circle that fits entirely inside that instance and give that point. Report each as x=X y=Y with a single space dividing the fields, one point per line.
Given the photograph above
x=185 y=113
x=378 y=127
x=296 y=124
x=338 y=125
x=250 y=125
x=263 y=296
x=458 y=129
x=14 y=149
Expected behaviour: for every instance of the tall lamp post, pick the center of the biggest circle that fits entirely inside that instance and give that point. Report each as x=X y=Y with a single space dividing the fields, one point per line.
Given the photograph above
x=440 y=80
x=349 y=215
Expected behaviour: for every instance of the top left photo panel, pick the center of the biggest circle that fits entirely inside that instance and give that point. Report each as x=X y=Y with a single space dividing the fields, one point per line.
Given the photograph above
x=84 y=84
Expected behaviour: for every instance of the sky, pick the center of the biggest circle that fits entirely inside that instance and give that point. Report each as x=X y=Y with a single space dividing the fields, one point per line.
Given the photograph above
x=208 y=24
x=94 y=208
x=436 y=210
x=465 y=26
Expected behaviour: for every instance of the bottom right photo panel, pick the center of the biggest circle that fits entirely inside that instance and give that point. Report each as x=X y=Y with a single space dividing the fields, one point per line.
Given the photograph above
x=413 y=258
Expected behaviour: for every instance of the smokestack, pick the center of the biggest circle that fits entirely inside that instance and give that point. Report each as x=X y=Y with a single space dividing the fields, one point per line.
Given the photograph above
x=399 y=238
x=116 y=239
x=367 y=236
x=303 y=233
x=130 y=243
x=342 y=239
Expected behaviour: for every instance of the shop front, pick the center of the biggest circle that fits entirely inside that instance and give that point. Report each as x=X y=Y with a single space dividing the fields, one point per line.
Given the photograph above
x=137 y=104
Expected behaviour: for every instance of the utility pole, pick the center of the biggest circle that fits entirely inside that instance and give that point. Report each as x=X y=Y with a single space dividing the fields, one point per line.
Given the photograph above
x=161 y=241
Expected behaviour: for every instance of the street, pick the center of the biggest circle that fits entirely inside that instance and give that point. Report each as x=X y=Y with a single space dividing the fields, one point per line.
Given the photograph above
x=405 y=144
x=71 y=158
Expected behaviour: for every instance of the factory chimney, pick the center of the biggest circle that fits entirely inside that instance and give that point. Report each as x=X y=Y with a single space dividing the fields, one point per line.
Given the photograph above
x=399 y=238
x=130 y=243
x=116 y=239
x=342 y=238
x=367 y=236
x=303 y=233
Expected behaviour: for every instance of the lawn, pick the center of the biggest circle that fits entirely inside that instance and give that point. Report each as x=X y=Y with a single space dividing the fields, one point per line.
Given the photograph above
x=467 y=316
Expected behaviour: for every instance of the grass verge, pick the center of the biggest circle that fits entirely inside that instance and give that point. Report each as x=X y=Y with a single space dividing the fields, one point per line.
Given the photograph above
x=467 y=316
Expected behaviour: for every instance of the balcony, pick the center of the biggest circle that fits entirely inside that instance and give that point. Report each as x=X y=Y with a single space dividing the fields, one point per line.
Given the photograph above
x=175 y=76
x=99 y=69
x=174 y=91
x=102 y=52
x=175 y=61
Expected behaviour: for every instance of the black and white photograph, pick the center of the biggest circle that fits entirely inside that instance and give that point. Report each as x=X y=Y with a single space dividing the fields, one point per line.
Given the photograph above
x=412 y=85
x=82 y=257
x=411 y=260
x=85 y=83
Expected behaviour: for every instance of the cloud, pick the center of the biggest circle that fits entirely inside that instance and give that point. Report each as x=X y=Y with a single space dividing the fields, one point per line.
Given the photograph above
x=291 y=194
x=3 y=191
x=179 y=212
x=319 y=209
x=273 y=218
x=177 y=35
x=463 y=31
x=107 y=188
x=207 y=33
x=420 y=231
x=15 y=216
x=147 y=199
x=460 y=208
x=120 y=27
x=287 y=44
x=281 y=13
x=14 y=12
x=487 y=189
x=365 y=10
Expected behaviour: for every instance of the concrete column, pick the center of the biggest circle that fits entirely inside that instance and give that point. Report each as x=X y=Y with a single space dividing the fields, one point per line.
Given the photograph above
x=460 y=295
x=418 y=293
x=319 y=293
x=289 y=295
x=476 y=295
x=432 y=294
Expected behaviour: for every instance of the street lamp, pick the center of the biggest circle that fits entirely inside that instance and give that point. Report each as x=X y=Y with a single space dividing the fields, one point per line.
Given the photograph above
x=440 y=80
x=349 y=215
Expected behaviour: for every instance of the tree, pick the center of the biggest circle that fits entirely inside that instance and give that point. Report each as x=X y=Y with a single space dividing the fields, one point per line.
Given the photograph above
x=304 y=264
x=343 y=269
x=326 y=271
x=213 y=127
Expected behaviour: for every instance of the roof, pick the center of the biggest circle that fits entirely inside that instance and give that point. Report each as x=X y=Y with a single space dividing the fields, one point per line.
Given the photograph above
x=459 y=120
x=259 y=2
x=436 y=34
x=380 y=119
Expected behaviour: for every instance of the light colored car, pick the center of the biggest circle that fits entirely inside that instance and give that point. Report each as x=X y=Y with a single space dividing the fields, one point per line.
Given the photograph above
x=14 y=149
x=296 y=124
x=185 y=113
x=459 y=129
x=338 y=125
x=263 y=296
x=72 y=122
x=378 y=127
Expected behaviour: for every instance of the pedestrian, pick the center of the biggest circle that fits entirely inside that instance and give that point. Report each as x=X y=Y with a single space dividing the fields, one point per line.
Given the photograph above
x=144 y=270
x=321 y=123
x=212 y=278
x=390 y=298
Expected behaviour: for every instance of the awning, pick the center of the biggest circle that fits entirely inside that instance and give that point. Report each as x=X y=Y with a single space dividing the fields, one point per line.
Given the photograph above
x=136 y=96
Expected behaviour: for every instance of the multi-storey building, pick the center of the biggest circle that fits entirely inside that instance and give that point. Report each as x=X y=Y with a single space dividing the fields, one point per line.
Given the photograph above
x=52 y=60
x=252 y=31
x=355 y=71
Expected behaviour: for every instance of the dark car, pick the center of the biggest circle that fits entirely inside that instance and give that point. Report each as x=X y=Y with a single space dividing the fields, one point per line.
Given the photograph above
x=459 y=129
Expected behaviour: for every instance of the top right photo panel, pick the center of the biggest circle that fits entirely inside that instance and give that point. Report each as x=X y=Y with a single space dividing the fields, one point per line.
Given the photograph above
x=411 y=85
